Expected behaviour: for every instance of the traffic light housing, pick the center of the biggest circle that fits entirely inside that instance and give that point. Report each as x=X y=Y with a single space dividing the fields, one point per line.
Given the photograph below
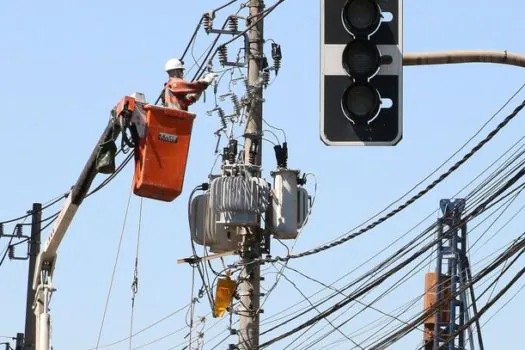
x=361 y=72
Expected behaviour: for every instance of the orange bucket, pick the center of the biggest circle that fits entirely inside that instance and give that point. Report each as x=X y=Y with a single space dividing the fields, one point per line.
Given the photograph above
x=161 y=155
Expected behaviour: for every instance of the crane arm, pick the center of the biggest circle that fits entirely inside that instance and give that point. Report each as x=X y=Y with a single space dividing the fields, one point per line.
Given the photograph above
x=46 y=259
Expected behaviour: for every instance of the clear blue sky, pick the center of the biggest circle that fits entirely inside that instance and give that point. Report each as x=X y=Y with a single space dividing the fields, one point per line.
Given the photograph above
x=63 y=66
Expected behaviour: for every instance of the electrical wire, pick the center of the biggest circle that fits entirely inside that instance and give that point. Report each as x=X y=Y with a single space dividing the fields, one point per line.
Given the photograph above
x=502 y=258
x=263 y=15
x=135 y=283
x=412 y=303
x=410 y=201
x=143 y=329
x=485 y=308
x=114 y=271
x=6 y=251
x=507 y=102
x=478 y=210
x=201 y=70
x=276 y=128
x=314 y=307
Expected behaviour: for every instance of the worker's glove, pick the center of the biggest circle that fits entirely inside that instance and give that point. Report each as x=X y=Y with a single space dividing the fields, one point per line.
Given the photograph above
x=209 y=78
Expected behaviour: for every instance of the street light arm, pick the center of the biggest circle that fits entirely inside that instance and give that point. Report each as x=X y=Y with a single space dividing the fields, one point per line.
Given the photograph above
x=455 y=57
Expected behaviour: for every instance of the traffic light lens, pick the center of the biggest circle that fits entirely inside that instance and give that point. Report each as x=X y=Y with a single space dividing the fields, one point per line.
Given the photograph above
x=361 y=103
x=361 y=17
x=361 y=59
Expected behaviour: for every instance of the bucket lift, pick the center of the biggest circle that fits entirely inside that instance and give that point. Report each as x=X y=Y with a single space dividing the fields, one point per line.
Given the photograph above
x=160 y=138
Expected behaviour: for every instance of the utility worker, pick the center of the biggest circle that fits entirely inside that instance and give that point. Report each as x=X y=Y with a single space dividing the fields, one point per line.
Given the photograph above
x=179 y=93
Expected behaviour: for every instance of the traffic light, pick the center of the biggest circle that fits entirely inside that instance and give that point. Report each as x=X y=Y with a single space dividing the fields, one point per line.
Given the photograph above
x=361 y=72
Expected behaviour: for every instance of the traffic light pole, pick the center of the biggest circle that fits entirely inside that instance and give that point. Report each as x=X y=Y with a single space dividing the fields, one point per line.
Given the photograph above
x=455 y=57
x=250 y=277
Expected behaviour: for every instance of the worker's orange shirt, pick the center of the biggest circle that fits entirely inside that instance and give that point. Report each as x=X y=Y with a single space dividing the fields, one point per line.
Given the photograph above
x=178 y=93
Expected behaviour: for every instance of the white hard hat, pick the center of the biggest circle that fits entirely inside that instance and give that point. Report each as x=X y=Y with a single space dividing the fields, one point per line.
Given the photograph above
x=173 y=63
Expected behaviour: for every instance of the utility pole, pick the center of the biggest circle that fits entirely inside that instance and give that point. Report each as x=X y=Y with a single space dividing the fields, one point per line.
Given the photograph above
x=250 y=277
x=34 y=249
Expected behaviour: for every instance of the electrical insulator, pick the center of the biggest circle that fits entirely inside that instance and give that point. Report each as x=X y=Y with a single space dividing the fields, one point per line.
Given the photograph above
x=249 y=87
x=266 y=78
x=265 y=73
x=233 y=24
x=236 y=104
x=18 y=230
x=234 y=81
x=254 y=148
x=277 y=57
x=223 y=55
x=1 y=229
x=222 y=98
x=222 y=116
x=207 y=22
x=11 y=252
x=232 y=151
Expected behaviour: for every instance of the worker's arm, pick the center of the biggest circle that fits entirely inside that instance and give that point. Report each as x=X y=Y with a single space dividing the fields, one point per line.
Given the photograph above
x=184 y=88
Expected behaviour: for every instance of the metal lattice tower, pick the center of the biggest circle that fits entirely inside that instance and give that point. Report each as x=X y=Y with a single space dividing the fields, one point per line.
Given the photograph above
x=447 y=286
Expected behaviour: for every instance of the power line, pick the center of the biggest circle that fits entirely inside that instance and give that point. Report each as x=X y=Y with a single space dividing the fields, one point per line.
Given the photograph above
x=514 y=249
x=113 y=273
x=143 y=329
x=314 y=307
x=407 y=203
x=264 y=14
x=428 y=230
x=446 y=161
x=475 y=212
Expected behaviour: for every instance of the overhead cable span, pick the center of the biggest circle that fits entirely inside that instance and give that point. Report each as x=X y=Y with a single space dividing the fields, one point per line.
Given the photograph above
x=410 y=201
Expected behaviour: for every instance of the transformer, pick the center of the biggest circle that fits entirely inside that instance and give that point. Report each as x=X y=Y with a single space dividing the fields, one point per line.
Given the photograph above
x=290 y=204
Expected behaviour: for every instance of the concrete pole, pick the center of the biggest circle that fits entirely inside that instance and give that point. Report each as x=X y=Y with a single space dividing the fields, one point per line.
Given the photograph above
x=250 y=277
x=34 y=249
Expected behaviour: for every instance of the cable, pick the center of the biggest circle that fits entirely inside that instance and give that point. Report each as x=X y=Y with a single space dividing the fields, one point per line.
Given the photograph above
x=504 y=305
x=446 y=161
x=4 y=254
x=198 y=74
x=314 y=307
x=143 y=329
x=478 y=210
x=520 y=245
x=276 y=128
x=487 y=306
x=135 y=283
x=407 y=203
x=112 y=176
x=192 y=40
x=114 y=270
x=263 y=15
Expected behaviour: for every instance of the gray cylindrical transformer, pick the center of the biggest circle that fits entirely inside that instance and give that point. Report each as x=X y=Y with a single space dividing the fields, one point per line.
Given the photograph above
x=284 y=204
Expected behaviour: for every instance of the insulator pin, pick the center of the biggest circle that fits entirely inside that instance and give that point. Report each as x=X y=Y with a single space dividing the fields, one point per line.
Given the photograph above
x=207 y=22
x=277 y=57
x=222 y=51
x=233 y=24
